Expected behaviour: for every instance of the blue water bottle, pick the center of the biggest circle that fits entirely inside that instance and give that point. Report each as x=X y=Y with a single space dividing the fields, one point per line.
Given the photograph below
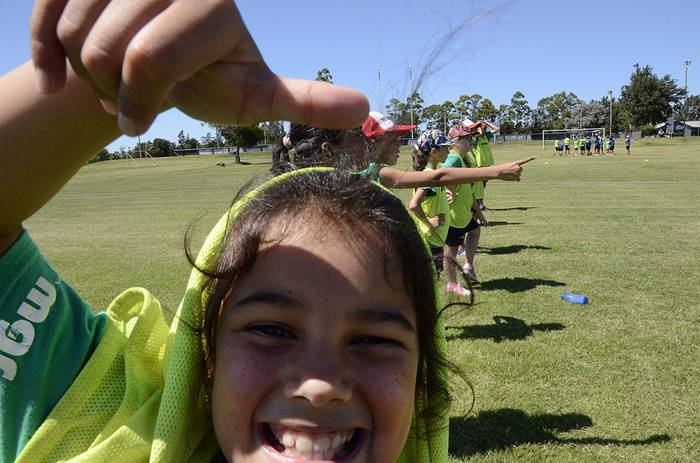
x=575 y=298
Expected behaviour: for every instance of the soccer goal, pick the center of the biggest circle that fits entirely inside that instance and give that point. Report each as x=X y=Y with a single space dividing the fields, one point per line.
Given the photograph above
x=558 y=134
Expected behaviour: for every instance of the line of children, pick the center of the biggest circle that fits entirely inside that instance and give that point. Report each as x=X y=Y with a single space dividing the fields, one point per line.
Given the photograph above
x=383 y=135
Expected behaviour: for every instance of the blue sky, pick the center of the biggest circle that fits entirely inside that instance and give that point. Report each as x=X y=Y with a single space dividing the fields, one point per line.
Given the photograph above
x=536 y=46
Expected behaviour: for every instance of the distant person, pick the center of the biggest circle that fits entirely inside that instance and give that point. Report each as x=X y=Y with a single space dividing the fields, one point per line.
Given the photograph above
x=596 y=145
x=567 y=140
x=465 y=215
x=431 y=204
x=576 y=144
x=556 y=147
x=588 y=145
x=628 y=143
x=611 y=145
x=482 y=153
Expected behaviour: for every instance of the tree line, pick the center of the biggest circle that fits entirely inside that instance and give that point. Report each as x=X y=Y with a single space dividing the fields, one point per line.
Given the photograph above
x=223 y=135
x=646 y=100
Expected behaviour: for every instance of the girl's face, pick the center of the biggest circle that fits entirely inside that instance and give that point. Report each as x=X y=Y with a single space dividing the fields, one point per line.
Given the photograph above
x=387 y=148
x=317 y=353
x=439 y=154
x=464 y=144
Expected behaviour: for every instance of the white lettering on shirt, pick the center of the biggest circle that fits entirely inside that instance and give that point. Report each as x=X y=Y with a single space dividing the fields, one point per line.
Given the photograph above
x=16 y=338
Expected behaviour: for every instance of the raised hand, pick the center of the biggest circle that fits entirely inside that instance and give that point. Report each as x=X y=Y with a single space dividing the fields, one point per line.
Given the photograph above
x=142 y=56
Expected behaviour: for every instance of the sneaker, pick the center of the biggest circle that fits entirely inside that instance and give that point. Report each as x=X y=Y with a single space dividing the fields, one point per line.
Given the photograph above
x=461 y=251
x=470 y=273
x=458 y=289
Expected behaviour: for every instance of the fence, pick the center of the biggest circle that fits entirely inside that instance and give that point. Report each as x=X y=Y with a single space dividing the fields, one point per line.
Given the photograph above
x=222 y=150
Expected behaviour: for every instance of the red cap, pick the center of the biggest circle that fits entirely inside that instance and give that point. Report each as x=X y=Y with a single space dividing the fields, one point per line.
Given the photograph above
x=377 y=125
x=471 y=125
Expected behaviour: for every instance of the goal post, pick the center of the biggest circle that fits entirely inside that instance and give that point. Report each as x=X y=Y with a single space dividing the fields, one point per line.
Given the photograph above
x=558 y=134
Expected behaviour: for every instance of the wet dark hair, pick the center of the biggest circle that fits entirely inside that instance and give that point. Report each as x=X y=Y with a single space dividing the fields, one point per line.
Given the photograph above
x=378 y=220
x=306 y=142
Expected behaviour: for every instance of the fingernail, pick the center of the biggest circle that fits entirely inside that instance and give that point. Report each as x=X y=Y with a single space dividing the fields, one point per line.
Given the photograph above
x=43 y=82
x=110 y=107
x=127 y=126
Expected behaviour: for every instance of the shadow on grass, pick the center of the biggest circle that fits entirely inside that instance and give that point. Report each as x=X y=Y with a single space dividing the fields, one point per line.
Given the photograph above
x=496 y=223
x=513 y=249
x=503 y=329
x=493 y=430
x=517 y=284
x=521 y=208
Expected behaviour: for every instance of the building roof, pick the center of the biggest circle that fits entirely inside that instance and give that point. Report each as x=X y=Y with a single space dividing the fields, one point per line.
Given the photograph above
x=693 y=124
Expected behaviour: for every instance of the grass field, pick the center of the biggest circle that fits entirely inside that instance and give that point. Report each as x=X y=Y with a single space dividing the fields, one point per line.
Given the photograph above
x=616 y=380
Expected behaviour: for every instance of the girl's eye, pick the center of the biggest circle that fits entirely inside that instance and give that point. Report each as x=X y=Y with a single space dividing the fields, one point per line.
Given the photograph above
x=376 y=341
x=272 y=331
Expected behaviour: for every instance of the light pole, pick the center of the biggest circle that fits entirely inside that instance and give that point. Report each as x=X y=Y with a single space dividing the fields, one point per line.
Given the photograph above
x=685 y=106
x=379 y=81
x=610 y=126
x=410 y=86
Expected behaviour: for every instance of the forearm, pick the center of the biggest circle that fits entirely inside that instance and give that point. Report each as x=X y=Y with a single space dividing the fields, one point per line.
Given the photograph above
x=394 y=178
x=419 y=213
x=44 y=140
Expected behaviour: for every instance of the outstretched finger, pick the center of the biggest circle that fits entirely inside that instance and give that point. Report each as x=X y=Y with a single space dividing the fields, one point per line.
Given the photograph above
x=47 y=52
x=315 y=103
x=520 y=162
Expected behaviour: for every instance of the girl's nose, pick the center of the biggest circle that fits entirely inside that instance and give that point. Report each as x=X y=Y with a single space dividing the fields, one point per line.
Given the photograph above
x=319 y=391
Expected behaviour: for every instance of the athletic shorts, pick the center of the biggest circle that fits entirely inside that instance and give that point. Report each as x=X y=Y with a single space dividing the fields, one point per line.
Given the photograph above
x=455 y=236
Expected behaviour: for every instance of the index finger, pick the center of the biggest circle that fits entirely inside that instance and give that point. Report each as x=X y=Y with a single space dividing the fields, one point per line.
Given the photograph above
x=522 y=161
x=47 y=52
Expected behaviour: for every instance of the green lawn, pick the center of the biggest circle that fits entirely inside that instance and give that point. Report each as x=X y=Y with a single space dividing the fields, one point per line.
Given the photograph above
x=615 y=380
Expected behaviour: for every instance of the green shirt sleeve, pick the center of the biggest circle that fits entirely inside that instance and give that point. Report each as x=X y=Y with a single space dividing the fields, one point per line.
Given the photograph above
x=453 y=160
x=47 y=334
x=371 y=172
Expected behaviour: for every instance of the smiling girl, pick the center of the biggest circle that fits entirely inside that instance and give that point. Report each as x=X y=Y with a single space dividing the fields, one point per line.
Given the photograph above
x=308 y=330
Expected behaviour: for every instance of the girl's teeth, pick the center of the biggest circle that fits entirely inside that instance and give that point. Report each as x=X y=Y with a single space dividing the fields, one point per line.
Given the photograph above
x=304 y=444
x=322 y=444
x=288 y=440
x=308 y=447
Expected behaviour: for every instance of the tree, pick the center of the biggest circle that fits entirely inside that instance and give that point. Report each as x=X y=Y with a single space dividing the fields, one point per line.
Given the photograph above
x=594 y=114
x=185 y=142
x=400 y=112
x=649 y=99
x=556 y=111
x=272 y=130
x=485 y=110
x=520 y=113
x=207 y=141
x=503 y=118
x=692 y=112
x=103 y=155
x=160 y=148
x=324 y=75
x=440 y=116
x=241 y=135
